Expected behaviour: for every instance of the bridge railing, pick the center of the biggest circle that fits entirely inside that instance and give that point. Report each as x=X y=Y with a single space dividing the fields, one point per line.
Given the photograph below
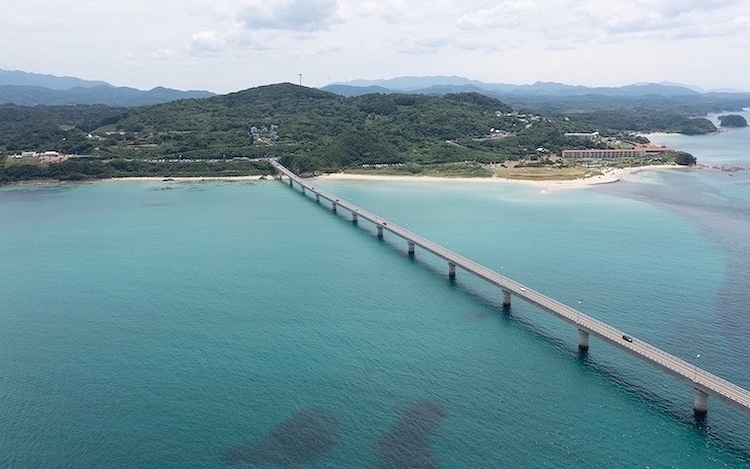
x=666 y=360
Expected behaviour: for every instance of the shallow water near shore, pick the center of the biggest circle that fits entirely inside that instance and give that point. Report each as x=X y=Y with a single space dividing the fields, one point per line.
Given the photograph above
x=233 y=324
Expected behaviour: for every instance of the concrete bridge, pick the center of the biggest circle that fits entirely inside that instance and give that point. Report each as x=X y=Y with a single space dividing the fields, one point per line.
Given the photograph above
x=703 y=383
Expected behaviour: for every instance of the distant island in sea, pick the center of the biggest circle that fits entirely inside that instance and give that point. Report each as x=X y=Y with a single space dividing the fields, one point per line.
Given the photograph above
x=733 y=120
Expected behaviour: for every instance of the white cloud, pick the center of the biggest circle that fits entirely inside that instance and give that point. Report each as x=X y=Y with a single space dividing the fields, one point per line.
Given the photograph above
x=436 y=44
x=265 y=41
x=329 y=49
x=514 y=14
x=427 y=45
x=306 y=15
x=131 y=60
x=661 y=19
x=390 y=11
x=162 y=54
x=206 y=43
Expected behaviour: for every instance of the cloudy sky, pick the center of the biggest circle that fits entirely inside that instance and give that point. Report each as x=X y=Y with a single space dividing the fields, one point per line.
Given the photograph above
x=228 y=45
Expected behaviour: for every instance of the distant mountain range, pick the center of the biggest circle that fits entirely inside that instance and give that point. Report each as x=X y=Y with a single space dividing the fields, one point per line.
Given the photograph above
x=32 y=89
x=438 y=85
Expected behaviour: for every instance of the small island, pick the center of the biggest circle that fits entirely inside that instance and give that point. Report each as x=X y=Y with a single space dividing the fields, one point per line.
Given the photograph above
x=732 y=120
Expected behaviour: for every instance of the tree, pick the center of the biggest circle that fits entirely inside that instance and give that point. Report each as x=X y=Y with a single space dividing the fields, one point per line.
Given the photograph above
x=684 y=159
x=698 y=126
x=356 y=147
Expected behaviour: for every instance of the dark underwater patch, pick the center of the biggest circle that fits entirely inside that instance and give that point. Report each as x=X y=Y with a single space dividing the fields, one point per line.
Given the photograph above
x=307 y=436
x=407 y=444
x=32 y=193
x=725 y=219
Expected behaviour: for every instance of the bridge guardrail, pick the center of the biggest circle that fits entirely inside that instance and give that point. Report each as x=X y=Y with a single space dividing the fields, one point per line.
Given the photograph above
x=658 y=356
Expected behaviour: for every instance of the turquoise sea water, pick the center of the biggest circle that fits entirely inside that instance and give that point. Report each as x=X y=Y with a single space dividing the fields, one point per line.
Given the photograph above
x=235 y=324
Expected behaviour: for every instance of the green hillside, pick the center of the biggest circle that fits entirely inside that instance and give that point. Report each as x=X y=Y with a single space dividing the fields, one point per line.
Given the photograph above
x=309 y=129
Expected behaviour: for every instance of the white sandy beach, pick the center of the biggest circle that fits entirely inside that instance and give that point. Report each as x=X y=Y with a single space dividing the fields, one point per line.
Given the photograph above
x=610 y=175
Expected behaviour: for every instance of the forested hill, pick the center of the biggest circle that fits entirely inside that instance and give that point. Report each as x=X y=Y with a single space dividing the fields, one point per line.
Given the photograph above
x=314 y=127
x=315 y=130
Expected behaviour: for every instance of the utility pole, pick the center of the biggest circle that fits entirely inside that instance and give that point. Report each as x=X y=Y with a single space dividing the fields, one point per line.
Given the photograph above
x=300 y=79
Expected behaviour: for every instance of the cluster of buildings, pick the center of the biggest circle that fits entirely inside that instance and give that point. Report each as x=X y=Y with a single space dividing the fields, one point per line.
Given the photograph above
x=640 y=151
x=26 y=154
x=97 y=138
x=46 y=157
x=258 y=135
x=526 y=119
x=588 y=135
x=637 y=151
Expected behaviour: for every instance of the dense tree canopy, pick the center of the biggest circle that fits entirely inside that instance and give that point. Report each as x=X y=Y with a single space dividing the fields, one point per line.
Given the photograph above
x=684 y=159
x=640 y=120
x=732 y=120
x=313 y=130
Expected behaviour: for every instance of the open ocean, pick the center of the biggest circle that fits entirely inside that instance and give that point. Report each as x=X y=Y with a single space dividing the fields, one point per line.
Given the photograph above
x=212 y=324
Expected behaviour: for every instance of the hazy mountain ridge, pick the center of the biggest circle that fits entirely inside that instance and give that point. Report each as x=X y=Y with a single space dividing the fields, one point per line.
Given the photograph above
x=443 y=84
x=20 y=78
x=32 y=89
x=411 y=83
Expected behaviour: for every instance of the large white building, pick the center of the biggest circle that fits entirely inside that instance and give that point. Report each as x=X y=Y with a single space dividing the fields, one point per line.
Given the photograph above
x=598 y=154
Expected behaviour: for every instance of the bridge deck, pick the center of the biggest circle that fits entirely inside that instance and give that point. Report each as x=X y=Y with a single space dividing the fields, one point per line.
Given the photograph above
x=700 y=379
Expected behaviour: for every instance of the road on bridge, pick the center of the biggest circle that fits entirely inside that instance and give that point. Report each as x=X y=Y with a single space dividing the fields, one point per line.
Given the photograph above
x=701 y=380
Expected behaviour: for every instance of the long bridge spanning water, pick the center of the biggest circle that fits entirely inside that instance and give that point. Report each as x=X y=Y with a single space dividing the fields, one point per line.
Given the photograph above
x=704 y=383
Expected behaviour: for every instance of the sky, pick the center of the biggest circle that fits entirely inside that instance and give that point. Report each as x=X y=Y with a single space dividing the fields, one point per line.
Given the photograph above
x=230 y=45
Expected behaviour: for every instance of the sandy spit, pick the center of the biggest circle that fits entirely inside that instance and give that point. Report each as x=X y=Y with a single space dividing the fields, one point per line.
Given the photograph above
x=610 y=175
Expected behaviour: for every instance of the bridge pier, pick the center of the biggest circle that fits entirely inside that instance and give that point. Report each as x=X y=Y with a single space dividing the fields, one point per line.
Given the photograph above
x=506 y=299
x=709 y=384
x=700 y=407
x=583 y=340
x=451 y=270
x=354 y=218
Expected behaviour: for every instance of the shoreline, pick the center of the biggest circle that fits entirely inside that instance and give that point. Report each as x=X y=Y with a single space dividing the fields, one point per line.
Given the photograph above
x=182 y=179
x=610 y=176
